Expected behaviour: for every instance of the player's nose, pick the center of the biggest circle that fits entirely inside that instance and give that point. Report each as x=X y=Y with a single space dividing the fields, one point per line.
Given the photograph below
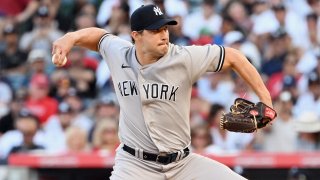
x=164 y=36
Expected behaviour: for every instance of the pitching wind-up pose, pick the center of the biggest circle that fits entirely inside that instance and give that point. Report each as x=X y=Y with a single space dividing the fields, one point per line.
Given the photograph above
x=153 y=81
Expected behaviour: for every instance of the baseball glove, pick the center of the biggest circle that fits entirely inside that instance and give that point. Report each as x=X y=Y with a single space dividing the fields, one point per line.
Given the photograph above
x=247 y=117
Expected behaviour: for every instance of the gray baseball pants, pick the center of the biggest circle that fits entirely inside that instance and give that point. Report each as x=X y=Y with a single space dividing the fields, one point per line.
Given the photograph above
x=192 y=167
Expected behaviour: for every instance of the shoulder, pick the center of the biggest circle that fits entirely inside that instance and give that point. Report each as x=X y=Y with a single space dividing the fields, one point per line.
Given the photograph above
x=198 y=49
x=111 y=40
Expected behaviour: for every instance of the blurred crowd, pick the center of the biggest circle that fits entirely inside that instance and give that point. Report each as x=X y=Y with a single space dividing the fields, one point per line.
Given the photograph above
x=74 y=109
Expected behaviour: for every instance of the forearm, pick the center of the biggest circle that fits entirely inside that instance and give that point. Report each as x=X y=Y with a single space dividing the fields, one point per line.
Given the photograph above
x=238 y=62
x=87 y=38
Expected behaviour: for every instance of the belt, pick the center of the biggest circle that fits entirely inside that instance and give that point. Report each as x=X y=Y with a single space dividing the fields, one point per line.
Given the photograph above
x=161 y=158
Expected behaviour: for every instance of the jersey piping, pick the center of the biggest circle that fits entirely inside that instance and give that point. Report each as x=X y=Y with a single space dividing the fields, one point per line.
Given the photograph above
x=221 y=60
x=101 y=39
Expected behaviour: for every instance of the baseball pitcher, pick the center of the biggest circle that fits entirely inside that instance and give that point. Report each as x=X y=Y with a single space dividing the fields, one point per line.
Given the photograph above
x=153 y=81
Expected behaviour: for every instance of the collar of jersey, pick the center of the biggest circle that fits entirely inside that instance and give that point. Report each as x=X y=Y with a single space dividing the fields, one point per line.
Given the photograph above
x=137 y=64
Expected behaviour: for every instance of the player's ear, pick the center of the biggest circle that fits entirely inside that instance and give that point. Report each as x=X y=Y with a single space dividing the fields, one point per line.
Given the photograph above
x=135 y=35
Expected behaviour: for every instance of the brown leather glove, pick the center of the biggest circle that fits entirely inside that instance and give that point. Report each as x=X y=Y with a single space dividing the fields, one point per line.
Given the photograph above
x=247 y=117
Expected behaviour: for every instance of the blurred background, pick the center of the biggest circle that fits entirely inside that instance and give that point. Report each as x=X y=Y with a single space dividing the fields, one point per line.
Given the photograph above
x=61 y=123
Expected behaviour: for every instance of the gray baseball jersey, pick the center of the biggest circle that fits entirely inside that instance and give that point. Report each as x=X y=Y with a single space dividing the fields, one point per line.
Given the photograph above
x=154 y=109
x=155 y=99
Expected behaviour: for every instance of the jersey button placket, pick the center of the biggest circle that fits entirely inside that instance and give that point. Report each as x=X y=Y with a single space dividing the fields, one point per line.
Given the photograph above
x=141 y=78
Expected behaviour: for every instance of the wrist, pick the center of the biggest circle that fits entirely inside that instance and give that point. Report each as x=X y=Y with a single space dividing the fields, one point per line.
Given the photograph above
x=267 y=101
x=72 y=37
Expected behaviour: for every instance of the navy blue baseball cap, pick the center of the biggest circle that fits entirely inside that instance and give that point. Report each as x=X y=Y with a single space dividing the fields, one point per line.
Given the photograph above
x=149 y=17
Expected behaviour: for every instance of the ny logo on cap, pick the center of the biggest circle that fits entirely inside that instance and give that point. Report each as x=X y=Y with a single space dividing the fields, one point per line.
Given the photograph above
x=157 y=10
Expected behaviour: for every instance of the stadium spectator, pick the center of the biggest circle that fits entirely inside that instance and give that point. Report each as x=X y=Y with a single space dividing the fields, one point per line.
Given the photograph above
x=78 y=106
x=201 y=141
x=104 y=82
x=16 y=105
x=119 y=18
x=86 y=17
x=28 y=125
x=44 y=32
x=212 y=87
x=105 y=10
x=82 y=71
x=204 y=22
x=241 y=89
x=56 y=127
x=304 y=80
x=176 y=34
x=106 y=107
x=39 y=62
x=13 y=60
x=313 y=32
x=309 y=100
x=276 y=52
x=61 y=84
x=224 y=84
x=227 y=25
x=76 y=140
x=6 y=116
x=238 y=13
x=262 y=13
x=199 y=108
x=287 y=20
x=105 y=136
x=307 y=61
x=308 y=128
x=285 y=80
x=280 y=137
x=170 y=7
x=24 y=122
x=38 y=101
x=260 y=30
x=237 y=40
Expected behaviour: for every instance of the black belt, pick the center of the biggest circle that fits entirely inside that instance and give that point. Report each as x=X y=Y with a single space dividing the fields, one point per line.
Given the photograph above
x=160 y=158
